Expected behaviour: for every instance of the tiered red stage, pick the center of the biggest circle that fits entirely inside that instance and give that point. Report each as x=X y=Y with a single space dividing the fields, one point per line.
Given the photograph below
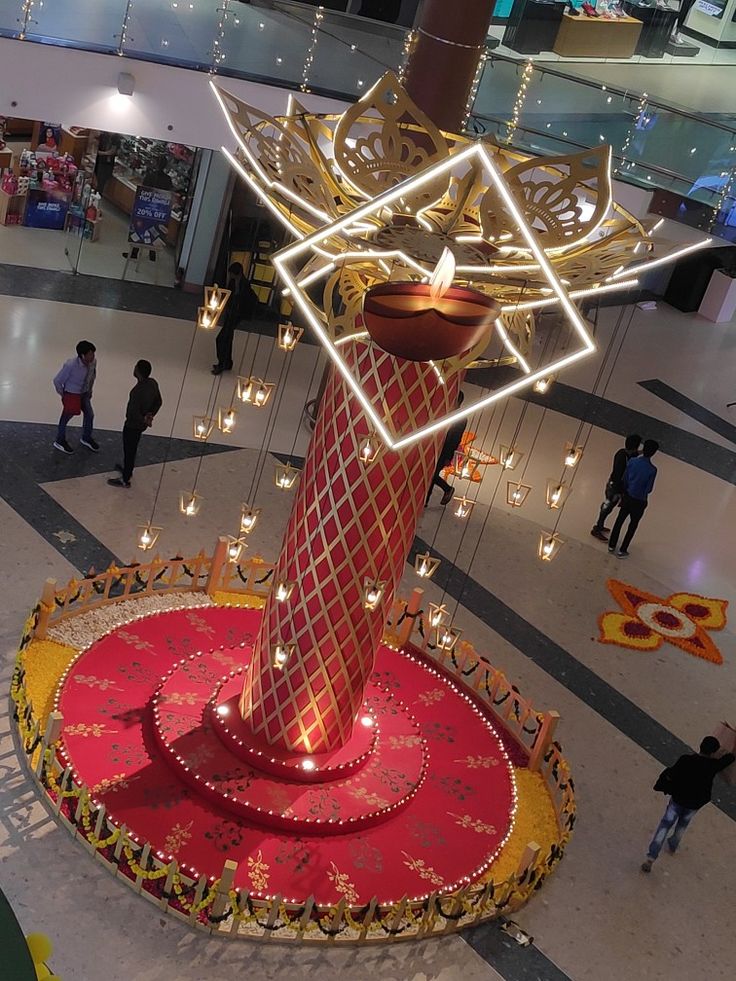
x=421 y=798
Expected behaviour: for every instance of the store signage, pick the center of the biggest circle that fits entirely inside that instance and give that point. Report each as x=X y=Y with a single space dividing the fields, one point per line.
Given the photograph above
x=711 y=8
x=46 y=208
x=150 y=216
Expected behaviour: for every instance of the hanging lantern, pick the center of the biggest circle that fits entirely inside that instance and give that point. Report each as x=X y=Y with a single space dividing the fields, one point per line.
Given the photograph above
x=280 y=654
x=517 y=493
x=425 y=565
x=368 y=448
x=542 y=385
x=248 y=518
x=549 y=545
x=283 y=589
x=147 y=536
x=510 y=457
x=289 y=336
x=202 y=426
x=285 y=475
x=189 y=503
x=557 y=494
x=572 y=454
x=372 y=593
x=244 y=389
x=226 y=420
x=235 y=547
x=463 y=507
x=261 y=392
x=447 y=637
x=206 y=318
x=464 y=465
x=437 y=615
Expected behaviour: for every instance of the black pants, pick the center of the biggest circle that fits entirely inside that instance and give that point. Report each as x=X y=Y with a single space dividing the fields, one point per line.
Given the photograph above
x=437 y=480
x=224 y=346
x=633 y=509
x=611 y=498
x=131 y=439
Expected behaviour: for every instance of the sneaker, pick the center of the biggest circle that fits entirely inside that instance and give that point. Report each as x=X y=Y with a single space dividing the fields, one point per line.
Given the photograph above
x=621 y=554
x=118 y=482
x=600 y=535
x=63 y=446
x=612 y=549
x=90 y=443
x=447 y=497
x=647 y=866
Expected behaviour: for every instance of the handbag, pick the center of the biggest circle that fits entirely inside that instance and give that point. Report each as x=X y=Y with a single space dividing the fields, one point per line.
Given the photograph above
x=72 y=402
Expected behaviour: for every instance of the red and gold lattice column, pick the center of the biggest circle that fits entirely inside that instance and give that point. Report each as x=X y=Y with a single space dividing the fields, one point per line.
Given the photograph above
x=350 y=522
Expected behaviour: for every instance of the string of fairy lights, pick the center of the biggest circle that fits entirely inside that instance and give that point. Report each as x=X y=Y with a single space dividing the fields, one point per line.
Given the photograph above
x=319 y=14
x=640 y=119
x=26 y=16
x=519 y=101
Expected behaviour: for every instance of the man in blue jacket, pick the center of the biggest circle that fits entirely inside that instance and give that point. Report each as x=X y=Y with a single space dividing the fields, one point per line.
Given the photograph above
x=73 y=383
x=639 y=479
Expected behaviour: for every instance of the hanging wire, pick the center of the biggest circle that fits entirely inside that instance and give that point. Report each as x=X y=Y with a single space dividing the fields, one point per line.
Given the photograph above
x=317 y=362
x=269 y=427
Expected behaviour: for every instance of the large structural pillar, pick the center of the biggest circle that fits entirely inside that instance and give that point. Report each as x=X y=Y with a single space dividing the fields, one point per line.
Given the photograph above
x=350 y=521
x=450 y=37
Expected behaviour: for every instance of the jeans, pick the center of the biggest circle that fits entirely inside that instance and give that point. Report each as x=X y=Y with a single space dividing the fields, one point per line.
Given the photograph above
x=633 y=509
x=131 y=439
x=612 y=498
x=88 y=417
x=673 y=813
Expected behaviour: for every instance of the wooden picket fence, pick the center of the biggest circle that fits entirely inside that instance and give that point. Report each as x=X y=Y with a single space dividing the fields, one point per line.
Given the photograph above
x=215 y=906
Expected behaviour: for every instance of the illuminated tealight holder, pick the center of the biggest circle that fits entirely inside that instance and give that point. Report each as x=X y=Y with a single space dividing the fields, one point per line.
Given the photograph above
x=248 y=518
x=464 y=465
x=244 y=388
x=425 y=565
x=572 y=454
x=235 y=548
x=462 y=507
x=261 y=393
x=549 y=546
x=542 y=385
x=202 y=427
x=447 y=637
x=189 y=503
x=437 y=615
x=368 y=448
x=226 y=420
x=280 y=654
x=283 y=590
x=517 y=493
x=372 y=593
x=557 y=494
x=510 y=457
x=147 y=537
x=285 y=476
x=289 y=336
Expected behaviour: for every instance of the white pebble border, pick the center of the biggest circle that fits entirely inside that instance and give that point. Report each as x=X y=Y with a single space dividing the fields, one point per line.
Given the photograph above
x=83 y=630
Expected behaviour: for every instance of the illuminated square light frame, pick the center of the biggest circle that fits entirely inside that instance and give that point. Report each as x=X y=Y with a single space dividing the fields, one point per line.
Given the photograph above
x=309 y=245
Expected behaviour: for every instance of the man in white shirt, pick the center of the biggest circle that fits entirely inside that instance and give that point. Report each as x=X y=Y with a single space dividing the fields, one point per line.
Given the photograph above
x=74 y=383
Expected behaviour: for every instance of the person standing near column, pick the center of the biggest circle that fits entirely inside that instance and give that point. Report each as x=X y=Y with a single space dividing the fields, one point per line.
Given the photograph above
x=638 y=483
x=240 y=305
x=144 y=402
x=447 y=454
x=690 y=786
x=615 y=486
x=74 y=382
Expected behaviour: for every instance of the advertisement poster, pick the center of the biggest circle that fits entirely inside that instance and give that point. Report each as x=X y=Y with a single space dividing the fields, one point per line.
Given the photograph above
x=49 y=139
x=46 y=208
x=150 y=216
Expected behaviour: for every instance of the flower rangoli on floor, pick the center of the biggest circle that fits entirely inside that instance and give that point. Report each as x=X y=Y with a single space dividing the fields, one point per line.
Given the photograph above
x=647 y=621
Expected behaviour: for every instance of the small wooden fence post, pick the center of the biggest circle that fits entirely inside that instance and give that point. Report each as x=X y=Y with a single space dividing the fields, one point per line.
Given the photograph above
x=48 y=601
x=544 y=739
x=53 y=731
x=528 y=858
x=409 y=622
x=217 y=567
x=227 y=877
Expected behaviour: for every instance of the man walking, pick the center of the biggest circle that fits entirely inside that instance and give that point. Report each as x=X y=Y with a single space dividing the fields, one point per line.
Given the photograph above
x=74 y=382
x=144 y=402
x=639 y=479
x=447 y=453
x=240 y=305
x=615 y=486
x=690 y=786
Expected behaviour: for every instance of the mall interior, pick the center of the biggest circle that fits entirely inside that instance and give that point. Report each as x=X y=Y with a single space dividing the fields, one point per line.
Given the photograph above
x=336 y=659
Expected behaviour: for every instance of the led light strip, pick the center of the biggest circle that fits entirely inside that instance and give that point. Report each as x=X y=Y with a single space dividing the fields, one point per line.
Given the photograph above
x=670 y=257
x=574 y=295
x=511 y=347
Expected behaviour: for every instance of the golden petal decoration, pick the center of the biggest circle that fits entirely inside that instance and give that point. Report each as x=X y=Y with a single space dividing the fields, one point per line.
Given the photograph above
x=706 y=612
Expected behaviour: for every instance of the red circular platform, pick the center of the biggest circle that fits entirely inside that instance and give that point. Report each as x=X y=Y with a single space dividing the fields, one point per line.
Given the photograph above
x=424 y=801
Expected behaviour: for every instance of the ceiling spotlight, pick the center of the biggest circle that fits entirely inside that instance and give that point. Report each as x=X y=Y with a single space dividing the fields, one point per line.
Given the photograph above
x=309 y=765
x=223 y=710
x=126 y=83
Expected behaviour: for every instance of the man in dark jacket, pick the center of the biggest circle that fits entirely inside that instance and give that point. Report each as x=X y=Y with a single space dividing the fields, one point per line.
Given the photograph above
x=615 y=485
x=690 y=786
x=144 y=402
x=447 y=454
x=240 y=305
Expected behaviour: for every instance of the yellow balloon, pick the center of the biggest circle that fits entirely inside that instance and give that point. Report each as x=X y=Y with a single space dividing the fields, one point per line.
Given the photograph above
x=42 y=972
x=40 y=947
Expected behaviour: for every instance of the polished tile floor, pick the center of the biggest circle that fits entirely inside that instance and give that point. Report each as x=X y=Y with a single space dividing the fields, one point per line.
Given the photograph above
x=624 y=713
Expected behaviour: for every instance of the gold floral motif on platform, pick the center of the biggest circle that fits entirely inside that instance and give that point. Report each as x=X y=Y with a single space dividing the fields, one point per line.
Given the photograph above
x=179 y=835
x=258 y=872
